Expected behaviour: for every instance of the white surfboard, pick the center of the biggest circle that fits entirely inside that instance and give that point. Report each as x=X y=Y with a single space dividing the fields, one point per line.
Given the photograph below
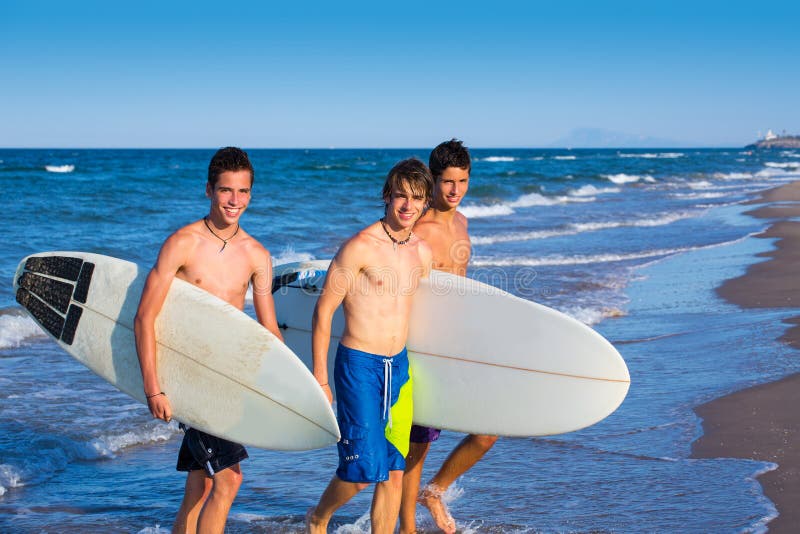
x=483 y=361
x=223 y=372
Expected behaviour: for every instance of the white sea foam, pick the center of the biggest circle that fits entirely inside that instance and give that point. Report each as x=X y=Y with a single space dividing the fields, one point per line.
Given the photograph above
x=760 y=527
x=659 y=220
x=525 y=201
x=718 y=205
x=622 y=178
x=10 y=477
x=535 y=199
x=702 y=184
x=556 y=260
x=360 y=526
x=498 y=159
x=565 y=158
x=108 y=445
x=518 y=236
x=248 y=517
x=289 y=255
x=15 y=329
x=700 y=196
x=773 y=172
x=651 y=155
x=589 y=315
x=783 y=165
x=577 y=228
x=590 y=190
x=732 y=175
x=155 y=530
x=59 y=168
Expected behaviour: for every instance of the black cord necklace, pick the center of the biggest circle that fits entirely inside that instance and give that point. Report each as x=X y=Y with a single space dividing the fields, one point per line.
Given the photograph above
x=395 y=242
x=224 y=241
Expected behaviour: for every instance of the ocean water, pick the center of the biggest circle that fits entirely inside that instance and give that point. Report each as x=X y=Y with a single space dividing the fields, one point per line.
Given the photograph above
x=632 y=242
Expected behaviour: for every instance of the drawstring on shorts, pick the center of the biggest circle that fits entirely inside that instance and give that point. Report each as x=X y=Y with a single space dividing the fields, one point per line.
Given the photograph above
x=387 y=389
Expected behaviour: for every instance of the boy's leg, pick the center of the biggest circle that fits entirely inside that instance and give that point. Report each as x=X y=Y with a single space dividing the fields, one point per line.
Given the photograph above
x=386 y=503
x=215 y=511
x=338 y=493
x=198 y=487
x=417 y=452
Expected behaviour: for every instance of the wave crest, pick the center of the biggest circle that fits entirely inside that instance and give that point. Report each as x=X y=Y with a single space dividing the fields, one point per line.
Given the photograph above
x=59 y=168
x=16 y=329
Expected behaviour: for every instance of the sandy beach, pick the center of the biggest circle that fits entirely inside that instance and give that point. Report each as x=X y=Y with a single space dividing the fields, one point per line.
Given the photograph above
x=762 y=422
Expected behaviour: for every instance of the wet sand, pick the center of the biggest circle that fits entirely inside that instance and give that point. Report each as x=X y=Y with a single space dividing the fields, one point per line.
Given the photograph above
x=763 y=422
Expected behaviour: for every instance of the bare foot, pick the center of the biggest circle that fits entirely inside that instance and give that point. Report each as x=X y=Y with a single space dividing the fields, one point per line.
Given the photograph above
x=312 y=525
x=431 y=498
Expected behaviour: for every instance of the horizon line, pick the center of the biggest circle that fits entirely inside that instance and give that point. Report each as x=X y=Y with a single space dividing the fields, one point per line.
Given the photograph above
x=666 y=147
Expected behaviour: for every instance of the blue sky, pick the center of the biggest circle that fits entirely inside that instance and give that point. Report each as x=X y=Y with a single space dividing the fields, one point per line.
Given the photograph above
x=496 y=74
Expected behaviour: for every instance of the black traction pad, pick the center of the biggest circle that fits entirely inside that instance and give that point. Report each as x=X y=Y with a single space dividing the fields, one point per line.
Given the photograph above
x=71 y=324
x=61 y=266
x=82 y=287
x=44 y=315
x=48 y=300
x=284 y=280
x=53 y=292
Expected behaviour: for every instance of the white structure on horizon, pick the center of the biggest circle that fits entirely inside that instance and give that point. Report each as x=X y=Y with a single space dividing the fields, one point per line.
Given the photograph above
x=770 y=136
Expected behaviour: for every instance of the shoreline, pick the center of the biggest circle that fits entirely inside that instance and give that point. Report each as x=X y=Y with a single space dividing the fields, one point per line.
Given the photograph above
x=762 y=422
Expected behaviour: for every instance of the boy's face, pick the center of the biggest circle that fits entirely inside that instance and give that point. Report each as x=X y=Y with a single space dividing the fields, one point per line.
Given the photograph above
x=230 y=196
x=450 y=188
x=404 y=207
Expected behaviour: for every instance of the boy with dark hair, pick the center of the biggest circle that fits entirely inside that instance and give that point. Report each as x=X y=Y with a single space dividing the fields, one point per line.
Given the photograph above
x=374 y=275
x=445 y=230
x=215 y=254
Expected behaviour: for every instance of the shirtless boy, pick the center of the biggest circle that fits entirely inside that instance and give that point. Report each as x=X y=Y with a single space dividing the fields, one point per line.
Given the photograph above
x=374 y=276
x=213 y=253
x=445 y=230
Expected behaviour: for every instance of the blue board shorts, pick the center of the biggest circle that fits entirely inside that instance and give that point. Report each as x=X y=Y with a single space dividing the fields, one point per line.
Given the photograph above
x=424 y=434
x=210 y=453
x=374 y=411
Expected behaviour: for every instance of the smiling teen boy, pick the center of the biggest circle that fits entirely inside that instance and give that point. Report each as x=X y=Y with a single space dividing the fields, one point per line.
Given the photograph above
x=445 y=230
x=215 y=254
x=374 y=275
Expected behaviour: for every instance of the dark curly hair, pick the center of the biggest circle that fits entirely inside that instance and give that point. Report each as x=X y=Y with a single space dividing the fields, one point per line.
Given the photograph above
x=227 y=159
x=451 y=153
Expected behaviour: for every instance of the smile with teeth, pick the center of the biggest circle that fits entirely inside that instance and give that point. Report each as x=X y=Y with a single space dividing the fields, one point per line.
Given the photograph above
x=232 y=212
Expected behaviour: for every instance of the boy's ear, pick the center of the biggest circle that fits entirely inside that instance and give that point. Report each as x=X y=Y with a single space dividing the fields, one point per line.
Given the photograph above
x=209 y=190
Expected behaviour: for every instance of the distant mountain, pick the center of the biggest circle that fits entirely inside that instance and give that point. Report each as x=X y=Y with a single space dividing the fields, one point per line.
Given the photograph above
x=600 y=138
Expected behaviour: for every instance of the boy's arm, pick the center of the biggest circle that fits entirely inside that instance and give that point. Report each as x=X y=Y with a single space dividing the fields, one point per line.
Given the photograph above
x=342 y=273
x=158 y=282
x=263 y=302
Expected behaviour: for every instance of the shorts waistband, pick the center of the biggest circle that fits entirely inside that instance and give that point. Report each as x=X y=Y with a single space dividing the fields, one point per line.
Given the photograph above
x=377 y=357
